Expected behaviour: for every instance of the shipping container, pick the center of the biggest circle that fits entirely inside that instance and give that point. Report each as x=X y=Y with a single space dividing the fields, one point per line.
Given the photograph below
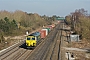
x=46 y=31
x=43 y=33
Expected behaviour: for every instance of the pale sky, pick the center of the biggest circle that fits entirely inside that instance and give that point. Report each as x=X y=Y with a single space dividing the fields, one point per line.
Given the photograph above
x=45 y=7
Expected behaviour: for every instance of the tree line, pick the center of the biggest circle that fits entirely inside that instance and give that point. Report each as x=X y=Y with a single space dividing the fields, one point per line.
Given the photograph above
x=80 y=22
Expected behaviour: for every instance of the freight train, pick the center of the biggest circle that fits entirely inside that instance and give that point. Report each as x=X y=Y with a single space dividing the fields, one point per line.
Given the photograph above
x=33 y=38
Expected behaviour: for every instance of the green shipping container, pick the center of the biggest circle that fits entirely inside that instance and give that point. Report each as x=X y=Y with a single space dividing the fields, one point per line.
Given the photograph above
x=48 y=29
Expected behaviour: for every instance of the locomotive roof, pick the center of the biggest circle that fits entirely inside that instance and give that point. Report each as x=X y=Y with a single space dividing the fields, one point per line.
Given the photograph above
x=35 y=34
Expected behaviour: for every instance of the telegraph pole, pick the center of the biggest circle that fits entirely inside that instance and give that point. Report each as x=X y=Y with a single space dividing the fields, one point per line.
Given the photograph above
x=73 y=22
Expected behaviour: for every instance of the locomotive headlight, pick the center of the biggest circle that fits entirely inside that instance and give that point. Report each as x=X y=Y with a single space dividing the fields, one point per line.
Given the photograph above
x=26 y=43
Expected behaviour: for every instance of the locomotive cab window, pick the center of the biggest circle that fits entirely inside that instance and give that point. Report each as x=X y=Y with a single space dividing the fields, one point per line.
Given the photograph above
x=28 y=38
x=33 y=38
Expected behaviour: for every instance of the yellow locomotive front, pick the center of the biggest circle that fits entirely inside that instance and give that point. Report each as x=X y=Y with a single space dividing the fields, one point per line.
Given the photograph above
x=30 y=41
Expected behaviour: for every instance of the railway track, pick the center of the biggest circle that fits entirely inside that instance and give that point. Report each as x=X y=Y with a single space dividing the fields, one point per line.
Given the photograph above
x=10 y=50
x=54 y=50
x=18 y=52
x=55 y=55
